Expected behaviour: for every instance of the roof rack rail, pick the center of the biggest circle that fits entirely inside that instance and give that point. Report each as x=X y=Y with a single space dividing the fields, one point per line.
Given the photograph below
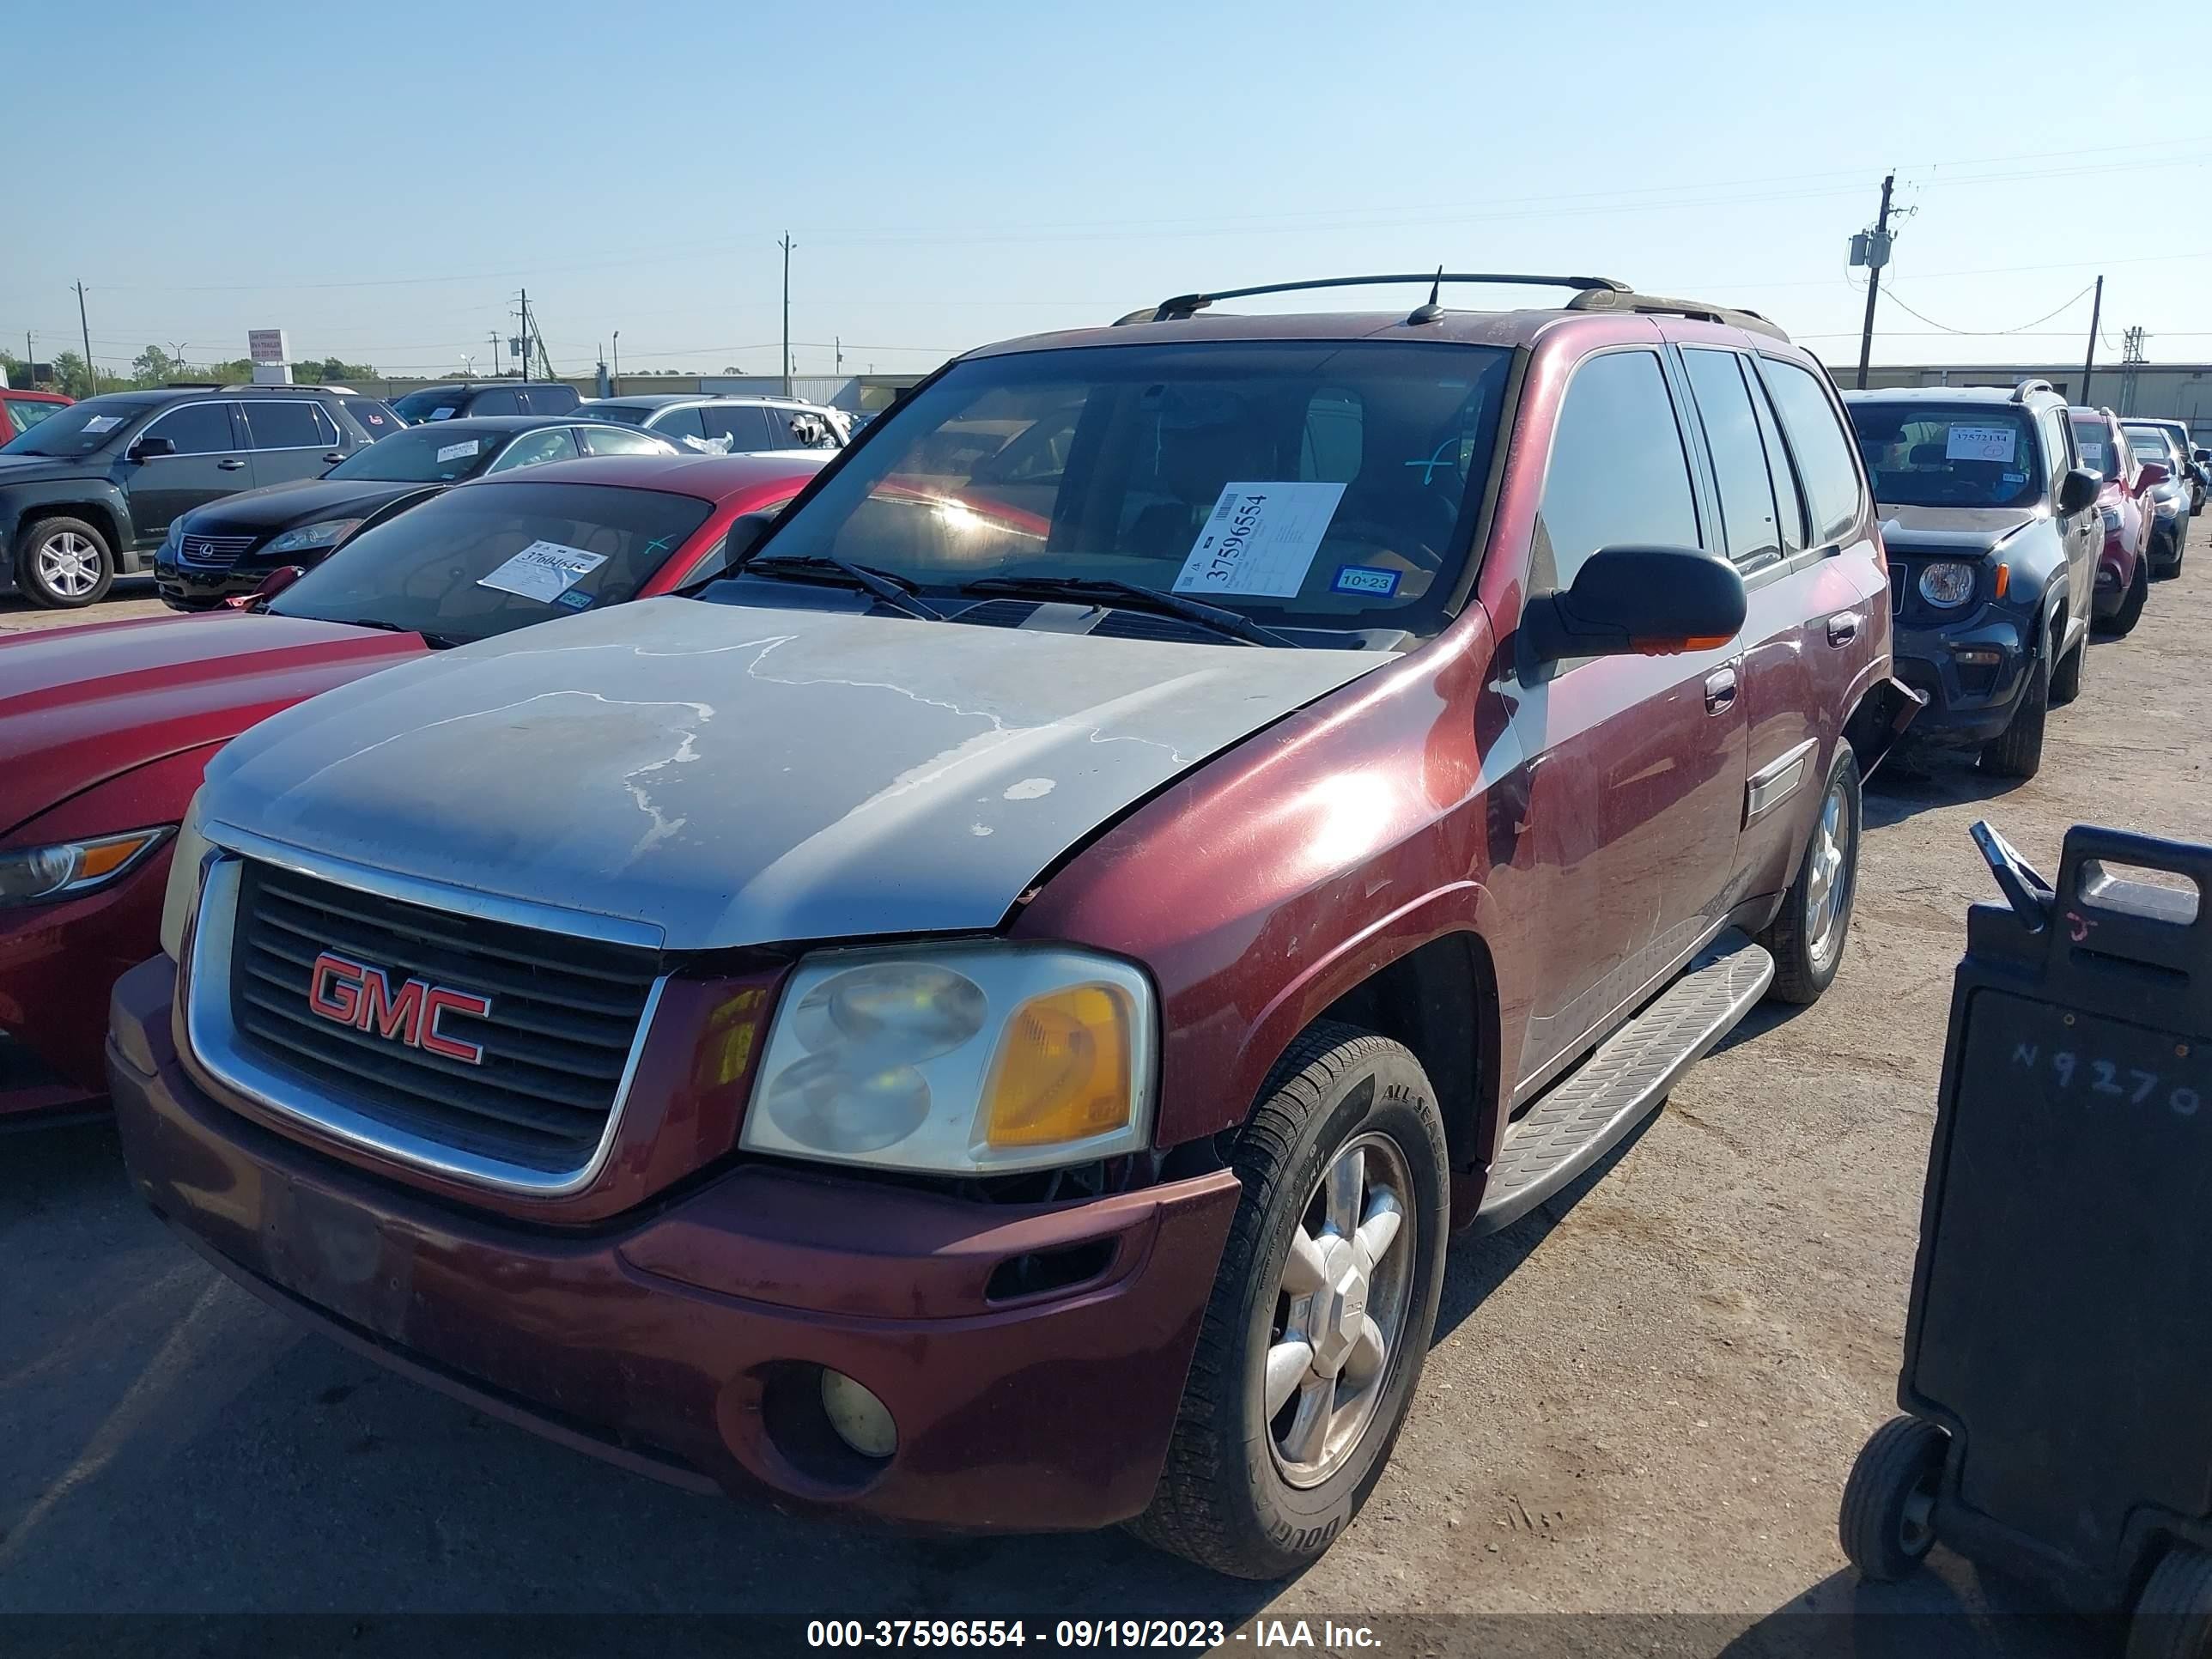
x=193 y=385
x=2021 y=392
x=1658 y=305
x=1592 y=294
x=1184 y=306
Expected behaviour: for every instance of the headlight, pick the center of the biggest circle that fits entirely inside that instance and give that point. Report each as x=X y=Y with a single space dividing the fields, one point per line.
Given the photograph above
x=69 y=868
x=183 y=890
x=325 y=534
x=965 y=1058
x=2112 y=518
x=1947 y=584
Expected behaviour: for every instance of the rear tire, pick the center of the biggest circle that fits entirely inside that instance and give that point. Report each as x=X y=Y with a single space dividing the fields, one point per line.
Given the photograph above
x=2173 y=1615
x=1806 y=939
x=2131 y=608
x=2017 y=751
x=1244 y=1491
x=1885 y=1524
x=63 y=564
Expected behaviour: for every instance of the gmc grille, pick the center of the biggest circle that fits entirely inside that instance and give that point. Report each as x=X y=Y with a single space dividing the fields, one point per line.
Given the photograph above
x=220 y=551
x=565 y=1015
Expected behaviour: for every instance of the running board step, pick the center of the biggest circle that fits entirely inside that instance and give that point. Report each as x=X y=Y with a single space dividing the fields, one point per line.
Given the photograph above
x=1585 y=1114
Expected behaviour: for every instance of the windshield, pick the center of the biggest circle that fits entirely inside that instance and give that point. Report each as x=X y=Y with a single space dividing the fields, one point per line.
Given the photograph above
x=417 y=407
x=429 y=454
x=1319 y=484
x=479 y=561
x=78 y=429
x=627 y=414
x=1982 y=455
x=2098 y=452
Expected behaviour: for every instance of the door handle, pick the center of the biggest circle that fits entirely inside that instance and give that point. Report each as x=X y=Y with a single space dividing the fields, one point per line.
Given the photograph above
x=228 y=466
x=1720 y=690
x=1843 y=628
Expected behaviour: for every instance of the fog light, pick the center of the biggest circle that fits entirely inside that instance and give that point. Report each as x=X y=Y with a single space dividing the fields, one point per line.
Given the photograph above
x=862 y=1421
x=1980 y=656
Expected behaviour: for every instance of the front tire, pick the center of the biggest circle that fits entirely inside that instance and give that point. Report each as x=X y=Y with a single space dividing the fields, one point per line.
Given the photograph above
x=2066 y=683
x=1321 y=1314
x=2131 y=608
x=2017 y=751
x=1806 y=939
x=64 y=564
x=2173 y=1615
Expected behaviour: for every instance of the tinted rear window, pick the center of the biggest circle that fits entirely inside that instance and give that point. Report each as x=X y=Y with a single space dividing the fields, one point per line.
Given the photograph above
x=431 y=404
x=277 y=424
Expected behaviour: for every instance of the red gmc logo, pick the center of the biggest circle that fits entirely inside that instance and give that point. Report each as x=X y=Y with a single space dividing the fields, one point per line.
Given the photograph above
x=352 y=994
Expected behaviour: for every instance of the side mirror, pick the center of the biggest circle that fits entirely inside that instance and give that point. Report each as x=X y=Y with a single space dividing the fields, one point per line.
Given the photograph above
x=2077 y=490
x=2154 y=473
x=745 y=532
x=1644 y=601
x=2201 y=454
x=276 y=582
x=147 y=448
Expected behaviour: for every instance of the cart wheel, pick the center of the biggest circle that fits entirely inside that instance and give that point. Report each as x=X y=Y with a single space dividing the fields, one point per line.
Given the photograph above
x=1888 y=1521
x=2173 y=1614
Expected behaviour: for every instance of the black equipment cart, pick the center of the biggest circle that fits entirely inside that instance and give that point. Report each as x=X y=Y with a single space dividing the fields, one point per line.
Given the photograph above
x=2058 y=1355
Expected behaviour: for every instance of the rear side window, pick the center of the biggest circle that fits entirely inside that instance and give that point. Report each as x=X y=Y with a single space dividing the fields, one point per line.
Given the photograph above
x=800 y=428
x=1618 y=475
x=196 y=430
x=284 y=425
x=745 y=425
x=614 y=441
x=1748 y=520
x=550 y=399
x=679 y=424
x=1825 y=464
x=499 y=400
x=536 y=449
x=372 y=418
x=1334 y=441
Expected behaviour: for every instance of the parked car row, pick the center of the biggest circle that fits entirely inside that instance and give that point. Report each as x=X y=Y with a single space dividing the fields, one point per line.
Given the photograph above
x=2015 y=524
x=979 y=998
x=107 y=487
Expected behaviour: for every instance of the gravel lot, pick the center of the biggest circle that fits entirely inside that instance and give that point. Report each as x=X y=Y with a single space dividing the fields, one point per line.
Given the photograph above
x=1643 y=1400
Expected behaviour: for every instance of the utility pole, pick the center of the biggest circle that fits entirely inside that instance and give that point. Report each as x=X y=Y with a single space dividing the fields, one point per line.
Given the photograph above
x=525 y=334
x=2089 y=362
x=494 y=337
x=91 y=374
x=837 y=344
x=1877 y=256
x=2132 y=357
x=785 y=245
x=617 y=369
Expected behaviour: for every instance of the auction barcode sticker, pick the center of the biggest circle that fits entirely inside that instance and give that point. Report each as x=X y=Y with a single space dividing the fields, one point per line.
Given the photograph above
x=1260 y=539
x=1980 y=443
x=543 y=571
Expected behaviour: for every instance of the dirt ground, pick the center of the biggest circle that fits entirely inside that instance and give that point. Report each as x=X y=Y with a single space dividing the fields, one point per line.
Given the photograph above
x=1643 y=1400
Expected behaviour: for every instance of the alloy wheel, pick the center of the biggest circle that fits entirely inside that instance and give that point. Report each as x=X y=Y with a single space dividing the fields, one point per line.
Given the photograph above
x=68 y=564
x=1828 y=883
x=1340 y=1308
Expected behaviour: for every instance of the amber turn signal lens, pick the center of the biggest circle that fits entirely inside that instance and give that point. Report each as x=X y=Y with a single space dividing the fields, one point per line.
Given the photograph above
x=2004 y=578
x=1062 y=1070
x=105 y=858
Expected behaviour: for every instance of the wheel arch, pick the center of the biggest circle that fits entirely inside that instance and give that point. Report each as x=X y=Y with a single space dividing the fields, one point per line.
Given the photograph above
x=1439 y=1000
x=101 y=514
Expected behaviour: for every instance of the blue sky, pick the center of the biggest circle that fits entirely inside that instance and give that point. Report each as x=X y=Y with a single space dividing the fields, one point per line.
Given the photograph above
x=379 y=178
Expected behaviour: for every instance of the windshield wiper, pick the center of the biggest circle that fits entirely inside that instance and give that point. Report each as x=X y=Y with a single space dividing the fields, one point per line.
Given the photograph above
x=894 y=591
x=437 y=642
x=1133 y=596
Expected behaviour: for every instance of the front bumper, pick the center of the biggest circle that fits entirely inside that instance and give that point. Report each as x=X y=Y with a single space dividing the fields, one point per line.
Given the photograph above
x=57 y=964
x=1973 y=675
x=684 y=1342
x=190 y=587
x=2166 y=540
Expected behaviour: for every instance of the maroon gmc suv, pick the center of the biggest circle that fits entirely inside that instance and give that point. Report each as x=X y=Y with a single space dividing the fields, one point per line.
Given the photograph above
x=985 y=1014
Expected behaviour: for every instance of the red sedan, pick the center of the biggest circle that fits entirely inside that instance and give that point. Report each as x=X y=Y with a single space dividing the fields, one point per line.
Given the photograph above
x=104 y=729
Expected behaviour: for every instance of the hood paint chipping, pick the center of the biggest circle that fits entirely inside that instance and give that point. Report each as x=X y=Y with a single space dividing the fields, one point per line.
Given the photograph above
x=734 y=775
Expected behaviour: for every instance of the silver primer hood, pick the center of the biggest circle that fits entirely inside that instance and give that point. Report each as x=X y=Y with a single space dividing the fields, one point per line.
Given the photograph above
x=734 y=775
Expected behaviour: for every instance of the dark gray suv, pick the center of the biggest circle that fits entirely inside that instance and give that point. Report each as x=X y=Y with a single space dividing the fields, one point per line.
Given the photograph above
x=87 y=493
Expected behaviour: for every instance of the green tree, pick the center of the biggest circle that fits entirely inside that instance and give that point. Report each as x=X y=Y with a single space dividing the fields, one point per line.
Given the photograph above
x=155 y=366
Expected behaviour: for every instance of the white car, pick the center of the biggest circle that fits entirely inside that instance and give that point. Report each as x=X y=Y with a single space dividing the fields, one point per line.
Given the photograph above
x=733 y=425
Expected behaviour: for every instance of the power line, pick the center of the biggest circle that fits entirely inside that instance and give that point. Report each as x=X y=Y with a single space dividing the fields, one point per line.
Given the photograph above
x=1947 y=329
